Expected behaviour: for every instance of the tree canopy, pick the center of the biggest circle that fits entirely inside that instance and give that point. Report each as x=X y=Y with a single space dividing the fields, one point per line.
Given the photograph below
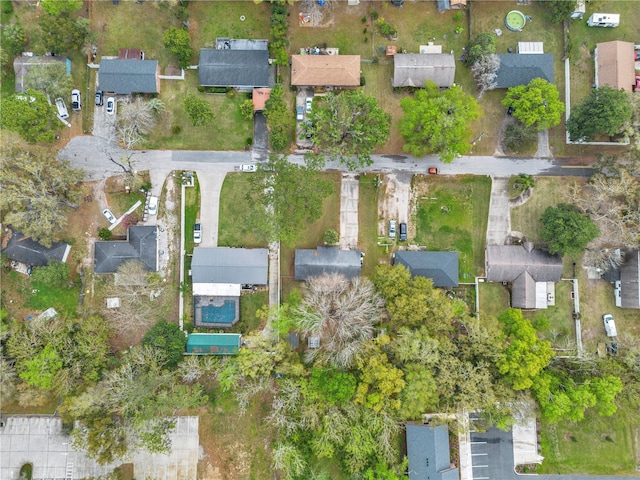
x=169 y=338
x=438 y=122
x=285 y=198
x=199 y=110
x=62 y=33
x=604 y=112
x=484 y=44
x=50 y=78
x=348 y=126
x=56 y=7
x=279 y=120
x=566 y=230
x=558 y=10
x=536 y=105
x=178 y=42
x=37 y=189
x=30 y=115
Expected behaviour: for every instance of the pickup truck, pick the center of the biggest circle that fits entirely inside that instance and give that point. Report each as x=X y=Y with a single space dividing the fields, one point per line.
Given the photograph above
x=62 y=108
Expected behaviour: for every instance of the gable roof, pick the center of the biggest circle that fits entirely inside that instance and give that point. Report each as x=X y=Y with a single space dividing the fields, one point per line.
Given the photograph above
x=314 y=263
x=428 y=453
x=260 y=97
x=213 y=343
x=516 y=69
x=22 y=64
x=505 y=263
x=615 y=65
x=630 y=281
x=233 y=68
x=230 y=265
x=413 y=69
x=141 y=244
x=325 y=70
x=441 y=267
x=128 y=76
x=26 y=250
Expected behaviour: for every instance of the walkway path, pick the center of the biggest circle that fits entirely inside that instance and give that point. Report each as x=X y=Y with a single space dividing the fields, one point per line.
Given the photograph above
x=499 y=225
x=349 y=193
x=544 y=150
x=274 y=274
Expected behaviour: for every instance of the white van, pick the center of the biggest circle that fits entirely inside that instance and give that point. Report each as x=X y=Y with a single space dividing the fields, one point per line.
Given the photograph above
x=62 y=108
x=153 y=205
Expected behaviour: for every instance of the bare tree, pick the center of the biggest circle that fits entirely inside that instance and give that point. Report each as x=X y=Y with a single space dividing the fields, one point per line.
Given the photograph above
x=137 y=290
x=342 y=313
x=485 y=72
x=136 y=120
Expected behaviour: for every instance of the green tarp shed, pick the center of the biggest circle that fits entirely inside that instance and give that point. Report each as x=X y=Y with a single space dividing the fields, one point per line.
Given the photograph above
x=213 y=343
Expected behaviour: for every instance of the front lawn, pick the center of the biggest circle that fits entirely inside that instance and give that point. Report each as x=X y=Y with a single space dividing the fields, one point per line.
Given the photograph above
x=368 y=224
x=452 y=215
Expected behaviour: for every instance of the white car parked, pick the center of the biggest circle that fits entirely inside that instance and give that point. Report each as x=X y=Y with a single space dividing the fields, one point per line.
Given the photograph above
x=609 y=325
x=153 y=205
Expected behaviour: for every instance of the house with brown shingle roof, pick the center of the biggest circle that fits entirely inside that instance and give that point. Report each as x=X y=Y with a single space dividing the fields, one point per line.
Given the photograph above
x=531 y=273
x=339 y=71
x=615 y=65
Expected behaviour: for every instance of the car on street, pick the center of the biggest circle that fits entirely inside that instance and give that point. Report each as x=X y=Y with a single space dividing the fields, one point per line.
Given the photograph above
x=197 y=233
x=108 y=215
x=308 y=102
x=62 y=108
x=402 y=236
x=111 y=106
x=299 y=113
x=609 y=325
x=433 y=171
x=637 y=83
x=99 y=98
x=392 y=229
x=76 y=100
x=248 y=168
x=153 y=205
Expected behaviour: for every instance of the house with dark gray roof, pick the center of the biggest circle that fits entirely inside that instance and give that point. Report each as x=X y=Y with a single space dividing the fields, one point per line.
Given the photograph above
x=441 y=267
x=428 y=453
x=517 y=69
x=27 y=251
x=127 y=76
x=141 y=245
x=218 y=275
x=327 y=260
x=240 y=69
x=414 y=69
x=532 y=273
x=630 y=280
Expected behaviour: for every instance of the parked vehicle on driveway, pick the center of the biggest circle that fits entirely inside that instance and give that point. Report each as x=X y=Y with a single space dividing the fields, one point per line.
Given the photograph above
x=403 y=232
x=299 y=113
x=153 y=205
x=109 y=216
x=308 y=103
x=62 y=108
x=76 y=100
x=392 y=229
x=248 y=168
x=609 y=325
x=99 y=98
x=197 y=233
x=111 y=106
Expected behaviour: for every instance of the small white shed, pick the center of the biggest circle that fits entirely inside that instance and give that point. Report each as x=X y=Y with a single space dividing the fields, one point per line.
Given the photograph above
x=530 y=48
x=604 y=20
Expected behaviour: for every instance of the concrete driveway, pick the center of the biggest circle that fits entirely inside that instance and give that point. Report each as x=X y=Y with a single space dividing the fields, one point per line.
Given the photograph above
x=104 y=126
x=499 y=225
x=349 y=193
x=260 y=149
x=210 y=186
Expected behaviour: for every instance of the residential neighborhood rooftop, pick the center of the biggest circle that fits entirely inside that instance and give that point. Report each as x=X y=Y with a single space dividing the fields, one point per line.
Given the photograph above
x=326 y=260
x=124 y=77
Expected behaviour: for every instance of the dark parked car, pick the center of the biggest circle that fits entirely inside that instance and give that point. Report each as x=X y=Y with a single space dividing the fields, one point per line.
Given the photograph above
x=99 y=98
x=402 y=236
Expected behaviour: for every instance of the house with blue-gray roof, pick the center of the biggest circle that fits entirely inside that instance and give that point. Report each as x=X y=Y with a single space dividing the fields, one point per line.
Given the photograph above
x=127 y=76
x=428 y=453
x=519 y=69
x=441 y=267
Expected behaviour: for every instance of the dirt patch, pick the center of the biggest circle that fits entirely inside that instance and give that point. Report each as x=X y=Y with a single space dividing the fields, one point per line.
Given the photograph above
x=395 y=200
x=506 y=121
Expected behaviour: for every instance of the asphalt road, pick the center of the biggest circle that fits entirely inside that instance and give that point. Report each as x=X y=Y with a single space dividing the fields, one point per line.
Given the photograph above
x=93 y=154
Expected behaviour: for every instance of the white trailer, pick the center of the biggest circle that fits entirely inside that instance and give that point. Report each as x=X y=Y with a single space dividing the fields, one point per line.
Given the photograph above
x=604 y=20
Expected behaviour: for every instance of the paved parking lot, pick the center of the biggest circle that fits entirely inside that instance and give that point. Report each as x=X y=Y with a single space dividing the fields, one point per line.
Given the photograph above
x=39 y=440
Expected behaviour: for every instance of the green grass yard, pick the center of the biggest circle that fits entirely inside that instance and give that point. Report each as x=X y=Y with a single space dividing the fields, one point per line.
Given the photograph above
x=494 y=299
x=452 y=215
x=368 y=225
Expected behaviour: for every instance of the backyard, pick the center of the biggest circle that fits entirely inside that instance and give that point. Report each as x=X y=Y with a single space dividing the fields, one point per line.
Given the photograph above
x=452 y=215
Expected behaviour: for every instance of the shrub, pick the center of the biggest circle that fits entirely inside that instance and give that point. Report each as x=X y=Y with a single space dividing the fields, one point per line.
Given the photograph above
x=169 y=338
x=519 y=138
x=105 y=234
x=55 y=274
x=7 y=7
x=176 y=129
x=331 y=237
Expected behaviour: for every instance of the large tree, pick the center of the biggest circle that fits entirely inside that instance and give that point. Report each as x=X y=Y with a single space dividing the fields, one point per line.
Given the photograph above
x=62 y=33
x=285 y=198
x=279 y=120
x=558 y=11
x=438 y=122
x=178 y=42
x=136 y=120
x=342 y=314
x=566 y=230
x=37 y=190
x=604 y=112
x=30 y=115
x=50 y=78
x=199 y=110
x=56 y=7
x=536 y=105
x=348 y=126
x=484 y=44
